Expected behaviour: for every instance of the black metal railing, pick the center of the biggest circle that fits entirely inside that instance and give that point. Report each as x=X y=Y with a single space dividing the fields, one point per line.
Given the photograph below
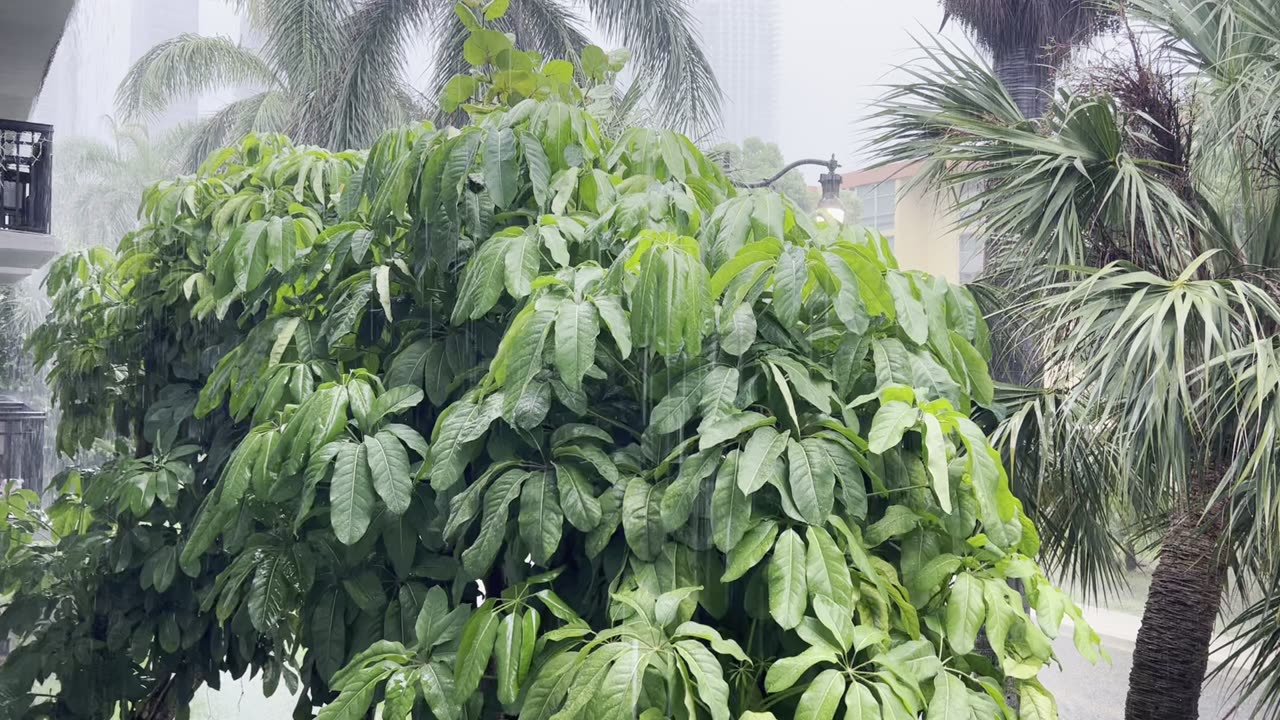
x=26 y=176
x=21 y=444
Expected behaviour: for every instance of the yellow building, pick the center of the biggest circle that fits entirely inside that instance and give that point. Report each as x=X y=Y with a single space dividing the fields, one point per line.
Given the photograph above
x=919 y=223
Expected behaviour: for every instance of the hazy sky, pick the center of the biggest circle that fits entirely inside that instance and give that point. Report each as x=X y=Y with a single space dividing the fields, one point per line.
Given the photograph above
x=834 y=55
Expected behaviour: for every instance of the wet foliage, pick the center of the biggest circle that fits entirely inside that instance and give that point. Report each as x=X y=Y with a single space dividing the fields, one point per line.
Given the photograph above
x=519 y=418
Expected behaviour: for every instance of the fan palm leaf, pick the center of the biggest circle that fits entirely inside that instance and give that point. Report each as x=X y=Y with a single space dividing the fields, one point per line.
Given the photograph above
x=1167 y=357
x=1067 y=191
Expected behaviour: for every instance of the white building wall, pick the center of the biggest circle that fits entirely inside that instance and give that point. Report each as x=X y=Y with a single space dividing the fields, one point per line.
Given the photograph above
x=102 y=40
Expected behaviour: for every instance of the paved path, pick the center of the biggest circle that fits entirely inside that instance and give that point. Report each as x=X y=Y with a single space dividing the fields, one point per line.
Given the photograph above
x=1097 y=692
x=241 y=700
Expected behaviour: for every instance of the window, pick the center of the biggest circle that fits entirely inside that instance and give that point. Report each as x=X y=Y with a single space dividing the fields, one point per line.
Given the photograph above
x=972 y=256
x=879 y=203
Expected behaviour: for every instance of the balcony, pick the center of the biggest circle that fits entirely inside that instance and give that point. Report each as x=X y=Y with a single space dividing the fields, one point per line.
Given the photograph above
x=21 y=444
x=26 y=180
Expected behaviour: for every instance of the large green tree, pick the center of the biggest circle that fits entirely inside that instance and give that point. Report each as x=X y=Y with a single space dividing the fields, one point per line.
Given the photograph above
x=96 y=188
x=518 y=418
x=756 y=159
x=331 y=72
x=1141 y=215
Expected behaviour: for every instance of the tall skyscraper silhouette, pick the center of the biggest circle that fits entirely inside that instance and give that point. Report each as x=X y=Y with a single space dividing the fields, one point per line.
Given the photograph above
x=741 y=38
x=153 y=22
x=102 y=40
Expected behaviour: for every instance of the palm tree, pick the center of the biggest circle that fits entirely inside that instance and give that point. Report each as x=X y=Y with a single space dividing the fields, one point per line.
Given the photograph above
x=1141 y=216
x=331 y=72
x=1028 y=40
x=667 y=55
x=97 y=183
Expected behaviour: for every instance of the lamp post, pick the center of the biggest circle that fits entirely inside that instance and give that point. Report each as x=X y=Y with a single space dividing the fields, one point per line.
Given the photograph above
x=829 y=180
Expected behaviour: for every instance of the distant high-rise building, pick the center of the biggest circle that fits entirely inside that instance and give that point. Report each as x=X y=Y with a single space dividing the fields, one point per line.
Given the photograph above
x=741 y=40
x=102 y=41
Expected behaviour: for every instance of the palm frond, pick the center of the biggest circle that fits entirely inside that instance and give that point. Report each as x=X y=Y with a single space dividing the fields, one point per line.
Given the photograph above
x=88 y=155
x=1250 y=375
x=413 y=105
x=366 y=93
x=1067 y=191
x=1234 y=48
x=1250 y=644
x=97 y=183
x=668 y=58
x=1154 y=355
x=447 y=59
x=187 y=66
x=302 y=38
x=267 y=111
x=550 y=27
x=23 y=306
x=1068 y=472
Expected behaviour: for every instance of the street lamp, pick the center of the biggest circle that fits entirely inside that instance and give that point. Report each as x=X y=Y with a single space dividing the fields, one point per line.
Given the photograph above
x=830 y=182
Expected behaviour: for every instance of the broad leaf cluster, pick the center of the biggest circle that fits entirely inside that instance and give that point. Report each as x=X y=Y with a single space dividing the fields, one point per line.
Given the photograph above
x=521 y=418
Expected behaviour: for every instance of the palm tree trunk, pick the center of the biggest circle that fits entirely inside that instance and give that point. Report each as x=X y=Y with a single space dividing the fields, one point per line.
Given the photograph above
x=1172 y=651
x=1025 y=77
x=160 y=704
x=1029 y=82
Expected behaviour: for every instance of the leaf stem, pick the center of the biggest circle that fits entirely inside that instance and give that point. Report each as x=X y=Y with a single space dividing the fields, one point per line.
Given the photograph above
x=775 y=699
x=611 y=421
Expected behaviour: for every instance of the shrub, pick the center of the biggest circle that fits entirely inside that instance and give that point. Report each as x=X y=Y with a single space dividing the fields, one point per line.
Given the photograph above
x=520 y=418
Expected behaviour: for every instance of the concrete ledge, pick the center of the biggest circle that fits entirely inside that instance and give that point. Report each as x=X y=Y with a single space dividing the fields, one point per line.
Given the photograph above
x=22 y=253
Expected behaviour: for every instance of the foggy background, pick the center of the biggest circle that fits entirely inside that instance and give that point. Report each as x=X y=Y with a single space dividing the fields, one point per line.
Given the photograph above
x=800 y=73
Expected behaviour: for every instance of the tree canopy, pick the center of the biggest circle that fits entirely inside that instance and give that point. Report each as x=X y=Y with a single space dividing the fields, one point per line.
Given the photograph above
x=332 y=72
x=518 y=417
x=756 y=159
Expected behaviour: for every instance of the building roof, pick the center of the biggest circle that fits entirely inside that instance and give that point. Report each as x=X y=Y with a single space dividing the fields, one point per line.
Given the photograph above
x=877 y=175
x=29 y=33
